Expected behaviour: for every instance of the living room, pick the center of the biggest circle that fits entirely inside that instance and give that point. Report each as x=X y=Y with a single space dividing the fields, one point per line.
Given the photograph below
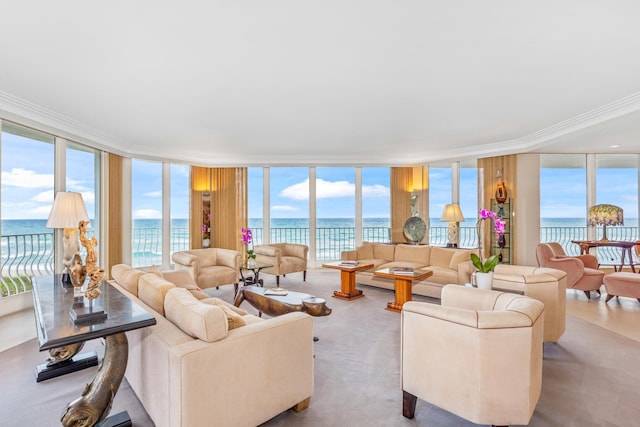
x=413 y=88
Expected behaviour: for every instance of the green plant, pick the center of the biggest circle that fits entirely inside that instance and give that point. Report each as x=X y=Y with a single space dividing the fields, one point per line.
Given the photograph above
x=484 y=267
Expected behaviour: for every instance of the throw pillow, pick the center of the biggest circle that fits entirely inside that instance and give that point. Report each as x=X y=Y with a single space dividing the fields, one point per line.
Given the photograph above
x=202 y=321
x=234 y=314
x=365 y=252
x=155 y=270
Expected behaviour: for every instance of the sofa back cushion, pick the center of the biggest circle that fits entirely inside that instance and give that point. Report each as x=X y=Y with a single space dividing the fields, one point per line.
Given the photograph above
x=383 y=251
x=365 y=252
x=459 y=255
x=441 y=257
x=413 y=253
x=203 y=321
x=152 y=290
x=127 y=277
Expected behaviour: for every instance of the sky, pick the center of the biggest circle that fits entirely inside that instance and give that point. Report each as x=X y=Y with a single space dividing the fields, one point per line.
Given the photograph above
x=27 y=187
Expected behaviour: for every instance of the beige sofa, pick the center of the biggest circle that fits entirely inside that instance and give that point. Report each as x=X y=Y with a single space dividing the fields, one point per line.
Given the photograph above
x=192 y=369
x=285 y=258
x=449 y=265
x=478 y=355
x=547 y=285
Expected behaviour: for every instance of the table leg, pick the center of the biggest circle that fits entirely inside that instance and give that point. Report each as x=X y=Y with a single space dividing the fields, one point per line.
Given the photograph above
x=94 y=404
x=348 y=289
x=402 y=294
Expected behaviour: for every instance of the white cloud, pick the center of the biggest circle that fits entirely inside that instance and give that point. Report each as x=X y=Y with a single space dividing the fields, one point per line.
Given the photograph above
x=40 y=211
x=88 y=196
x=283 y=208
x=375 y=191
x=153 y=194
x=324 y=189
x=45 y=196
x=24 y=178
x=147 y=214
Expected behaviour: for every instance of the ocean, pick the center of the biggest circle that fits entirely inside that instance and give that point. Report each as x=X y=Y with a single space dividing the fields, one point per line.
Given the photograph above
x=30 y=240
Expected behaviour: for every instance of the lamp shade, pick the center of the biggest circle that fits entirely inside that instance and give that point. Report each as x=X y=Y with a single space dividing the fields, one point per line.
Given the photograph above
x=67 y=211
x=452 y=213
x=605 y=215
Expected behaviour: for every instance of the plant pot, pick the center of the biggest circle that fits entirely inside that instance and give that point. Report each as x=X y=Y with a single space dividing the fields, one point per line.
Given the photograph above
x=484 y=280
x=251 y=262
x=205 y=243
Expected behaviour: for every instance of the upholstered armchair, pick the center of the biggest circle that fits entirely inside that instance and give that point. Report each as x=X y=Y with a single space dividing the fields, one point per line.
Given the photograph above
x=589 y=261
x=579 y=276
x=284 y=257
x=210 y=267
x=477 y=355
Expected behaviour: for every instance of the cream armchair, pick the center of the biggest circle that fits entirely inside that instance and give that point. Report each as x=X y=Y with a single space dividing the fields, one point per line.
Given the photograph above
x=210 y=267
x=478 y=355
x=284 y=257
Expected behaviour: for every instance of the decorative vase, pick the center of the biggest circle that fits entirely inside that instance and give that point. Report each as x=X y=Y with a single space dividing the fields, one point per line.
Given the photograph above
x=501 y=192
x=502 y=241
x=484 y=280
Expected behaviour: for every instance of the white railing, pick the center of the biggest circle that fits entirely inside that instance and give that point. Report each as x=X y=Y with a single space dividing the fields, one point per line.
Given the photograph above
x=28 y=255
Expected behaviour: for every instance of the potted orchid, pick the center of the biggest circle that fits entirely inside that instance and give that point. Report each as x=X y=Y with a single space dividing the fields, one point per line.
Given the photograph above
x=247 y=239
x=484 y=275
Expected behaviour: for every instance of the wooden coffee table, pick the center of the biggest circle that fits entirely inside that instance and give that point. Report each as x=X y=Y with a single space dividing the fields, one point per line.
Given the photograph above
x=276 y=305
x=348 y=289
x=403 y=283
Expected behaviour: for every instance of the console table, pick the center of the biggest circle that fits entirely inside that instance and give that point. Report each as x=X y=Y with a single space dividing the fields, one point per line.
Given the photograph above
x=586 y=245
x=56 y=329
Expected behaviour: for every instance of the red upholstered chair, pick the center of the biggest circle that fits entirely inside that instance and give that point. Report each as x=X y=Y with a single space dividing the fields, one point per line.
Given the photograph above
x=579 y=276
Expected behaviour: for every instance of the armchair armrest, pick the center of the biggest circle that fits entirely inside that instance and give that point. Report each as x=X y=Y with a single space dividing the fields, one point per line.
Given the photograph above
x=228 y=258
x=589 y=261
x=267 y=250
x=187 y=261
x=572 y=266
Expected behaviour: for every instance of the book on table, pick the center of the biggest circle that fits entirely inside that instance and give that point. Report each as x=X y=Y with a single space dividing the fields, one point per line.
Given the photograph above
x=402 y=270
x=349 y=263
x=276 y=291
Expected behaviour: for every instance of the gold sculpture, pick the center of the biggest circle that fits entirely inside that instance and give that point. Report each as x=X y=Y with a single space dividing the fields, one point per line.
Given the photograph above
x=96 y=274
x=77 y=272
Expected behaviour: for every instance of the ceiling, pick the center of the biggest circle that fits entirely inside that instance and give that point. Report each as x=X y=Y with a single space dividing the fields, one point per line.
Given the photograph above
x=357 y=82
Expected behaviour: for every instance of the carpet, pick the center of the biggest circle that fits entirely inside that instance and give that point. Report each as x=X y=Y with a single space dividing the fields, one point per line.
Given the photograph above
x=590 y=378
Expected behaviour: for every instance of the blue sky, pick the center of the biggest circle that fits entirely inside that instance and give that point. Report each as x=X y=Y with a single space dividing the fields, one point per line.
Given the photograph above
x=27 y=187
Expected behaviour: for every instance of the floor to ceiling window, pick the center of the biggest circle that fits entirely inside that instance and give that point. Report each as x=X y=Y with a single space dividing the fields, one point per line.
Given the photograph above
x=376 y=204
x=289 y=209
x=335 y=211
x=469 y=204
x=146 y=206
x=179 y=208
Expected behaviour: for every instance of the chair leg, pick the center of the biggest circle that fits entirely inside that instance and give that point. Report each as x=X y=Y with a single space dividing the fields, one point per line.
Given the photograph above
x=588 y=294
x=408 y=404
x=301 y=406
x=304 y=276
x=609 y=296
x=598 y=291
x=278 y=281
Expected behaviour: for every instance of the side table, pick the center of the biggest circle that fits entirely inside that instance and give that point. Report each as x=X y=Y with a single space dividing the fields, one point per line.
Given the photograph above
x=254 y=268
x=56 y=329
x=403 y=284
x=348 y=289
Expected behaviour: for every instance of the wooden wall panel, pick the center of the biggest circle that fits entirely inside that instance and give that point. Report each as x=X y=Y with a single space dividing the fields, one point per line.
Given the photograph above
x=401 y=187
x=114 y=218
x=487 y=169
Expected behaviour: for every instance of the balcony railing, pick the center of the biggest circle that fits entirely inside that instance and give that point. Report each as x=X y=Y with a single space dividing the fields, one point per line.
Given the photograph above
x=28 y=255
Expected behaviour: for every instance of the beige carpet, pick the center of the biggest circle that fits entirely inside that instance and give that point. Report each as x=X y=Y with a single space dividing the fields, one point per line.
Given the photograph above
x=590 y=378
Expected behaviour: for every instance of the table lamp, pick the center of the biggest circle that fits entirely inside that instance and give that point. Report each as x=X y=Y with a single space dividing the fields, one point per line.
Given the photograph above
x=452 y=214
x=605 y=215
x=67 y=212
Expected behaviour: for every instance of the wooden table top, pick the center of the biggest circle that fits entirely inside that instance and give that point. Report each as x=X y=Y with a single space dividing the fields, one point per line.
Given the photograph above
x=338 y=266
x=417 y=274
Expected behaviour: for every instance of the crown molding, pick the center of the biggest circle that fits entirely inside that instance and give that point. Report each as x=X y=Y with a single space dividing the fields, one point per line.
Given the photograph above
x=613 y=110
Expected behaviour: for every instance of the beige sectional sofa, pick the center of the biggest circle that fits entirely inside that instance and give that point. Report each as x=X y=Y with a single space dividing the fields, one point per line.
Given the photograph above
x=449 y=265
x=208 y=363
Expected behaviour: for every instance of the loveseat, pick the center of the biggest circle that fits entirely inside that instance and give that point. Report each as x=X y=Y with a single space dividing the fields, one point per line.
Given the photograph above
x=449 y=265
x=208 y=363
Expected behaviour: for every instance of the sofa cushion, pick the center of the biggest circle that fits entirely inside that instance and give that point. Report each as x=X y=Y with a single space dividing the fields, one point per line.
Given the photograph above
x=152 y=290
x=127 y=277
x=441 y=257
x=234 y=314
x=365 y=252
x=458 y=257
x=199 y=320
x=413 y=253
x=382 y=251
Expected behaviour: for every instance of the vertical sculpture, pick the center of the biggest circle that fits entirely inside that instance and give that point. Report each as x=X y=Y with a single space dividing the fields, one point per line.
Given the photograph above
x=96 y=274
